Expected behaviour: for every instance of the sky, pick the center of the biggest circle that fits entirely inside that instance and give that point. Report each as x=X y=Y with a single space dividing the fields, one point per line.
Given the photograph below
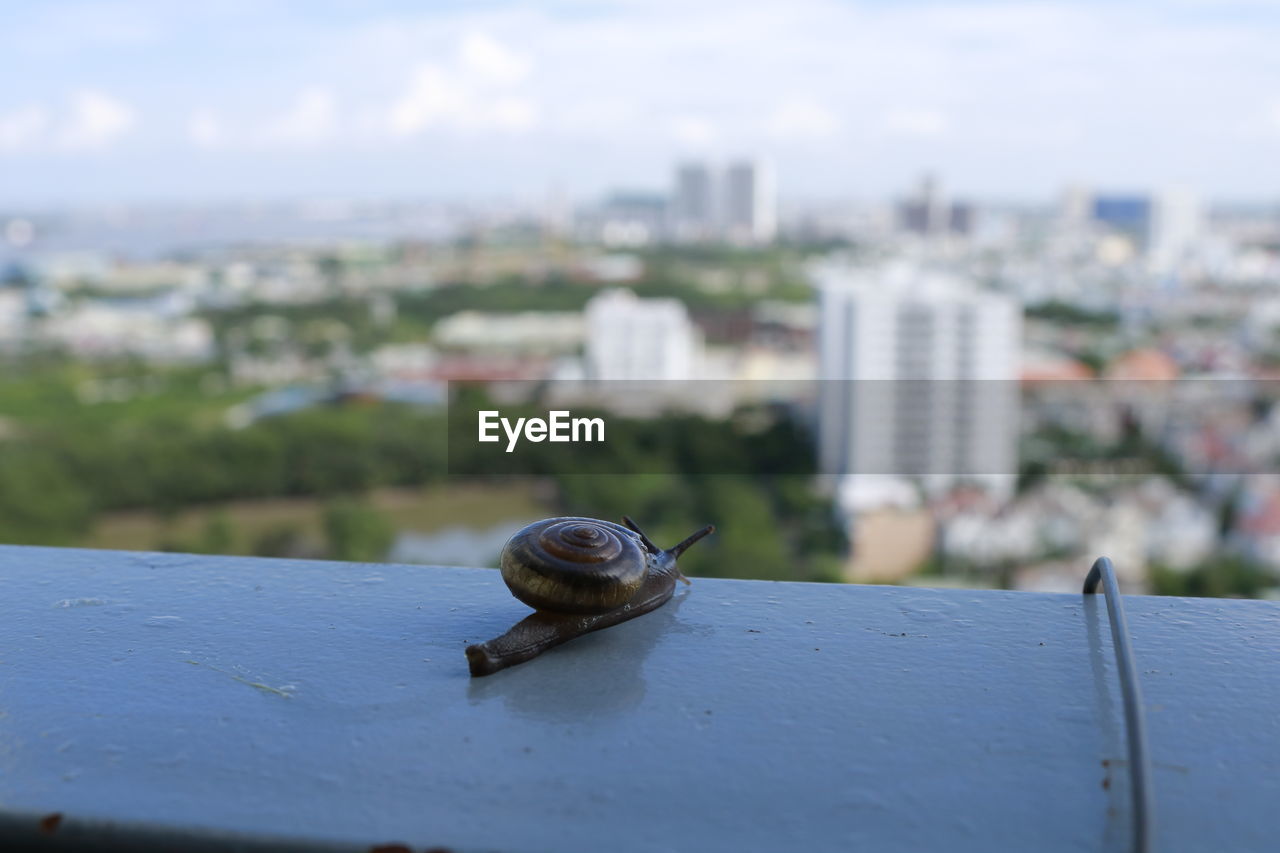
x=144 y=100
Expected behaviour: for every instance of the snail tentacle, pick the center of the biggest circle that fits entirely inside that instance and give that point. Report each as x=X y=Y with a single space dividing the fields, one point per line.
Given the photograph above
x=677 y=550
x=635 y=528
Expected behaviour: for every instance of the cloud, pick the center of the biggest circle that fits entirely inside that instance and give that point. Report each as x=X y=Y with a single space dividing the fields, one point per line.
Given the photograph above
x=915 y=122
x=803 y=118
x=692 y=131
x=478 y=92
x=311 y=120
x=490 y=60
x=205 y=129
x=96 y=120
x=92 y=122
x=515 y=114
x=22 y=129
x=442 y=99
x=614 y=95
x=598 y=117
x=430 y=99
x=1260 y=124
x=1273 y=116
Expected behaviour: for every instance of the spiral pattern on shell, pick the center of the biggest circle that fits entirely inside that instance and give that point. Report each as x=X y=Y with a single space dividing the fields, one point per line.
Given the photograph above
x=574 y=565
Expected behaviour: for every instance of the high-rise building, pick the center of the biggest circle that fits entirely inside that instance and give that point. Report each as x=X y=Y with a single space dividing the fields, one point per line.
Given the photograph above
x=919 y=375
x=694 y=211
x=1166 y=225
x=929 y=213
x=1075 y=206
x=1130 y=214
x=738 y=203
x=1176 y=226
x=750 y=203
x=633 y=338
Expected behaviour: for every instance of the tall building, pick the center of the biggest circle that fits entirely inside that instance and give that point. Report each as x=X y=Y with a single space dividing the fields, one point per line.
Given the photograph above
x=694 y=211
x=1176 y=226
x=1166 y=225
x=919 y=373
x=633 y=338
x=750 y=203
x=1074 y=206
x=1130 y=214
x=929 y=213
x=738 y=203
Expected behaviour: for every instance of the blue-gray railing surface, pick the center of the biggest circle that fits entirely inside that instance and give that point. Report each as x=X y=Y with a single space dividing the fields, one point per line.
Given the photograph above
x=170 y=700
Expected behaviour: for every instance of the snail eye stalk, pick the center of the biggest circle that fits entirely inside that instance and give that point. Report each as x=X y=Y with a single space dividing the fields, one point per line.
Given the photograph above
x=635 y=528
x=677 y=550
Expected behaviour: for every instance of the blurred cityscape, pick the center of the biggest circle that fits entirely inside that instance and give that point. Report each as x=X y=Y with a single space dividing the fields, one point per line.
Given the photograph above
x=265 y=379
x=821 y=263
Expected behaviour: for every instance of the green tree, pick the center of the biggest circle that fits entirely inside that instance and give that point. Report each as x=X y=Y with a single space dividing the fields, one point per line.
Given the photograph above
x=1228 y=576
x=218 y=535
x=356 y=531
x=281 y=540
x=39 y=503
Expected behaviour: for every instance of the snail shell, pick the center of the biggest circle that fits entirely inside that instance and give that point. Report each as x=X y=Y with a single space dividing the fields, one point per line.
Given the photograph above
x=574 y=565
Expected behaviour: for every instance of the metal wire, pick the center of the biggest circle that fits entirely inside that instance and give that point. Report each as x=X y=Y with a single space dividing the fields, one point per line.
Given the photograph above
x=1135 y=721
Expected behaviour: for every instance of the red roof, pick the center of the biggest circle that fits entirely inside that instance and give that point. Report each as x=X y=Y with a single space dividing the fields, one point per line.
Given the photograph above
x=1143 y=364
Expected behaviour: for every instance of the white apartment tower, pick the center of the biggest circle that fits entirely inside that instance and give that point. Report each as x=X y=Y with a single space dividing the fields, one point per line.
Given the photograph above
x=750 y=203
x=632 y=338
x=935 y=208
x=1177 y=225
x=919 y=373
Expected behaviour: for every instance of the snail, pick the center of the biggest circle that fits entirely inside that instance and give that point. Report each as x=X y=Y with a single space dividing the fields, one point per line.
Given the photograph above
x=579 y=575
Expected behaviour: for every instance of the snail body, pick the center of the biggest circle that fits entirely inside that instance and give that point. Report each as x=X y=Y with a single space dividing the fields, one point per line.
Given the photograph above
x=580 y=575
